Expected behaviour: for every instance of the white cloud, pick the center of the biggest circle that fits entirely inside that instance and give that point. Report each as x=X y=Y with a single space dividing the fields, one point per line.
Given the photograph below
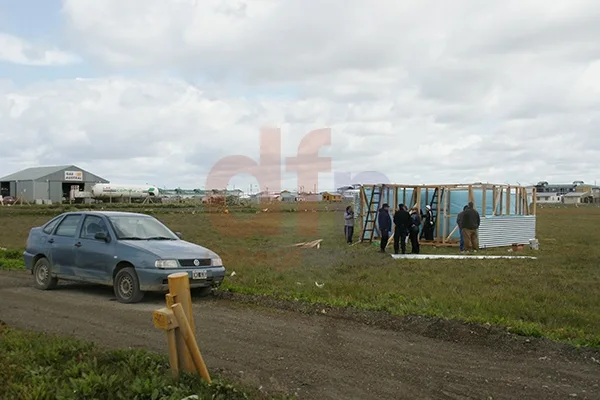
x=420 y=91
x=19 y=51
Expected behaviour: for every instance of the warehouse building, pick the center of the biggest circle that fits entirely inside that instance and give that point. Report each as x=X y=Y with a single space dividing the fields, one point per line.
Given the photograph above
x=47 y=184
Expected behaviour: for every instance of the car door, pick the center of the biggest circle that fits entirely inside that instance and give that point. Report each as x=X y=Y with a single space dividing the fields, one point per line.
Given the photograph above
x=94 y=257
x=62 y=245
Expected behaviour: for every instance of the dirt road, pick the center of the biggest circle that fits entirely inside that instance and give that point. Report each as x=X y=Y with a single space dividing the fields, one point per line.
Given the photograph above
x=315 y=356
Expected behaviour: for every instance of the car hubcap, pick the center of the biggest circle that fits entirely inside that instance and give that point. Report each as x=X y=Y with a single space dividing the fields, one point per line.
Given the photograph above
x=42 y=274
x=126 y=286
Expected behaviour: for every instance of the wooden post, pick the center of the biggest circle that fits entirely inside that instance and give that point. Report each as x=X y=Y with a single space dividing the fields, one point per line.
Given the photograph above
x=179 y=289
x=533 y=201
x=438 y=235
x=190 y=340
x=446 y=216
x=471 y=194
x=483 y=200
x=508 y=190
x=501 y=197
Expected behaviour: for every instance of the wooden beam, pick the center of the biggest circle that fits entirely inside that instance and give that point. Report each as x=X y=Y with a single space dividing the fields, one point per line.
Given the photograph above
x=483 y=200
x=508 y=193
x=446 y=216
x=534 y=201
x=501 y=197
x=471 y=194
x=179 y=288
x=438 y=235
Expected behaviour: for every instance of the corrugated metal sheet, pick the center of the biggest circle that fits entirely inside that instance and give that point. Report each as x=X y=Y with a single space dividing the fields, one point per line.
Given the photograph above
x=505 y=230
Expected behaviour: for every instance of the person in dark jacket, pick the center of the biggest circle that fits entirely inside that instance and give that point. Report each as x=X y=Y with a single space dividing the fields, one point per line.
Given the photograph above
x=385 y=225
x=349 y=224
x=427 y=231
x=415 y=222
x=401 y=223
x=470 y=224
x=459 y=219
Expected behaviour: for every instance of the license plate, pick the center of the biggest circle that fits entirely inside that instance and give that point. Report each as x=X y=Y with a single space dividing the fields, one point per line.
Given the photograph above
x=199 y=274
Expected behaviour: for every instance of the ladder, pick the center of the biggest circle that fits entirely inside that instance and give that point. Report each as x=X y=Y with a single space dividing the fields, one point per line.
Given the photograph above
x=371 y=214
x=435 y=200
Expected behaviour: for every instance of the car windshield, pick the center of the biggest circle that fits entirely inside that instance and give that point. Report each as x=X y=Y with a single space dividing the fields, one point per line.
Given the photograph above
x=139 y=227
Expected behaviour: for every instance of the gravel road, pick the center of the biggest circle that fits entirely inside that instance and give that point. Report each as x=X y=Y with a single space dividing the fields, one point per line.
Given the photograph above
x=315 y=356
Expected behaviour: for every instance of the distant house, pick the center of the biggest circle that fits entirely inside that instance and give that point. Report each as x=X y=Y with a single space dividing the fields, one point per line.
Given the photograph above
x=287 y=196
x=578 y=197
x=326 y=196
x=309 y=197
x=548 y=198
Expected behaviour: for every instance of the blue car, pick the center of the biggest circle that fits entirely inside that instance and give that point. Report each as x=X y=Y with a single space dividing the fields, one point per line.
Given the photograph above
x=134 y=253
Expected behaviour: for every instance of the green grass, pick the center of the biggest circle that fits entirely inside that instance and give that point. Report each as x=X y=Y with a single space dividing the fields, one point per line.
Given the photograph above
x=11 y=259
x=556 y=296
x=38 y=366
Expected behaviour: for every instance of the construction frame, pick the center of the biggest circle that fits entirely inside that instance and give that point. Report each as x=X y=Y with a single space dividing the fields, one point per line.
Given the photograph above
x=507 y=212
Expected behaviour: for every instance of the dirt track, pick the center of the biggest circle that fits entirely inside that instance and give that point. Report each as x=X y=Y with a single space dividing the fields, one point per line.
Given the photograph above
x=317 y=356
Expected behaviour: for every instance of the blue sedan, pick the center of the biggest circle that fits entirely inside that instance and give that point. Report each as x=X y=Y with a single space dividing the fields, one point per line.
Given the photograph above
x=132 y=252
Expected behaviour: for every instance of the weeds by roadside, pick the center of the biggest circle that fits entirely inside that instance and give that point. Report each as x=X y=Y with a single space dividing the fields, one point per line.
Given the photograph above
x=39 y=366
x=11 y=259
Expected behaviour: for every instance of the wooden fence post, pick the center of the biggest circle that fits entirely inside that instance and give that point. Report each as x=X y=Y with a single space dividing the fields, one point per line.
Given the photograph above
x=177 y=319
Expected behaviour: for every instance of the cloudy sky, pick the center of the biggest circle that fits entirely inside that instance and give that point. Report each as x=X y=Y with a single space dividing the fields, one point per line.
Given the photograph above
x=177 y=92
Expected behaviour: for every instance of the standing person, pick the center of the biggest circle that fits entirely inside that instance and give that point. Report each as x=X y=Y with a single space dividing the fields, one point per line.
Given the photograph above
x=415 y=222
x=385 y=225
x=459 y=219
x=349 y=224
x=402 y=223
x=470 y=223
x=427 y=231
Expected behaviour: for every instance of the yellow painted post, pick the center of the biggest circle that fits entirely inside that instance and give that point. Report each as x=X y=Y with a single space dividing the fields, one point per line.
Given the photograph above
x=179 y=292
x=190 y=341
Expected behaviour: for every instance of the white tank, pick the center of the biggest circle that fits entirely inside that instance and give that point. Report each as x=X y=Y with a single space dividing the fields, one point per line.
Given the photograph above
x=109 y=190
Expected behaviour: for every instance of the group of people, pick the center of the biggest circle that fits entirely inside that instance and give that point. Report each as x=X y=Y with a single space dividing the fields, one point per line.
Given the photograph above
x=408 y=225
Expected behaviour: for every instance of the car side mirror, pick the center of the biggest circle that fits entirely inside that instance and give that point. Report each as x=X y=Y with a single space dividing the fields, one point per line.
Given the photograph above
x=102 y=236
x=178 y=234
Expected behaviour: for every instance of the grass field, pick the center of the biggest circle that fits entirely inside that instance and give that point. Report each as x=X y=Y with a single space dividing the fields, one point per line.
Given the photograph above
x=556 y=296
x=37 y=366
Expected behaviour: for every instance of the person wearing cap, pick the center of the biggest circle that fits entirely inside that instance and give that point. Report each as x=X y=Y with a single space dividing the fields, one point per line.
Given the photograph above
x=385 y=225
x=415 y=222
x=401 y=225
x=459 y=219
x=470 y=225
x=427 y=231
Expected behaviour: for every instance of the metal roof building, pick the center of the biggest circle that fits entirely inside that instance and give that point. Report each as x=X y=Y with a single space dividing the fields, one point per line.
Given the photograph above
x=47 y=184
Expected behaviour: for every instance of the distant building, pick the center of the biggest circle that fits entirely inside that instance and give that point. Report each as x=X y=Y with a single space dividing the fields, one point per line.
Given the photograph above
x=326 y=196
x=549 y=197
x=560 y=189
x=577 y=198
x=47 y=184
x=288 y=197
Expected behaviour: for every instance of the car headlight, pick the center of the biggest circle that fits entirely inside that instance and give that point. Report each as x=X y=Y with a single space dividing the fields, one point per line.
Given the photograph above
x=216 y=262
x=166 y=264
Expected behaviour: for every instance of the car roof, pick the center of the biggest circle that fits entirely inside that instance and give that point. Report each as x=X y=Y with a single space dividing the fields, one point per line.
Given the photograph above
x=108 y=213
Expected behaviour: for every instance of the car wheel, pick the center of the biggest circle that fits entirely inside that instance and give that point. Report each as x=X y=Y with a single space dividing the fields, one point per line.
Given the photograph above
x=127 y=286
x=42 y=275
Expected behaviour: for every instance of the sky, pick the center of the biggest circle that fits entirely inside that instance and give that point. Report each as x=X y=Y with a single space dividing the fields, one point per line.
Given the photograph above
x=277 y=94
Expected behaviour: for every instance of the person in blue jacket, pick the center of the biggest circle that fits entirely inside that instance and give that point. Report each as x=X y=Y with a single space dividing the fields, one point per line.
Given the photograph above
x=384 y=221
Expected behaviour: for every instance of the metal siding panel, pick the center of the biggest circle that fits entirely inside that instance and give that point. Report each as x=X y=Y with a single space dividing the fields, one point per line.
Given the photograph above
x=40 y=190
x=55 y=192
x=505 y=230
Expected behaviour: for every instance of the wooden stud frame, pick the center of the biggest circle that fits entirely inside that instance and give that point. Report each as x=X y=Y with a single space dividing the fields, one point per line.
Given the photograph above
x=446 y=226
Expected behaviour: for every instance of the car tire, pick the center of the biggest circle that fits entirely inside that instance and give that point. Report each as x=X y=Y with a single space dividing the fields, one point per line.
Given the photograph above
x=127 y=286
x=42 y=275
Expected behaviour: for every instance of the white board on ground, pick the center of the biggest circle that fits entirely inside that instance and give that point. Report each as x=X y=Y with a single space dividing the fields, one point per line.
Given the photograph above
x=456 y=256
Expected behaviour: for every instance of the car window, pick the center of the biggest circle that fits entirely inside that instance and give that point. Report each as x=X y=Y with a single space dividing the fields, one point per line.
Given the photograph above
x=140 y=227
x=51 y=225
x=91 y=226
x=68 y=226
